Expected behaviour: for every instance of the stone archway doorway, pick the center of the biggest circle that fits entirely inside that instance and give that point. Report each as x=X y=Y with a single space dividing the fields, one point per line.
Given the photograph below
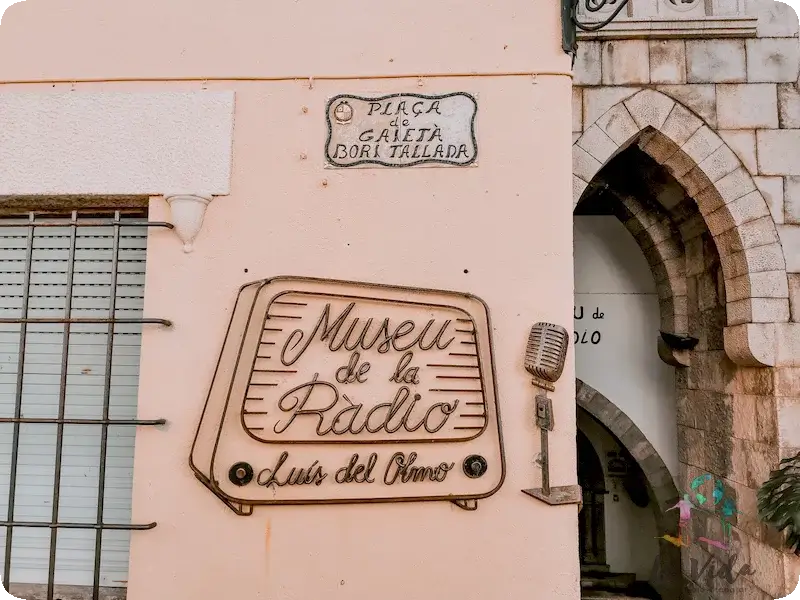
x=647 y=485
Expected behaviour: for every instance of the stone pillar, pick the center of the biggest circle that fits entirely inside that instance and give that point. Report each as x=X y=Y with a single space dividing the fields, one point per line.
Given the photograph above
x=727 y=432
x=732 y=433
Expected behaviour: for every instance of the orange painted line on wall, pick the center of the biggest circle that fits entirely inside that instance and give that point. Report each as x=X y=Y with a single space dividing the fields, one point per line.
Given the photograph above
x=310 y=78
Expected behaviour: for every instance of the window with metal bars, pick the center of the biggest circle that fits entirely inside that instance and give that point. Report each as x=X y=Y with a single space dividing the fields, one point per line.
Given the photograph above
x=71 y=300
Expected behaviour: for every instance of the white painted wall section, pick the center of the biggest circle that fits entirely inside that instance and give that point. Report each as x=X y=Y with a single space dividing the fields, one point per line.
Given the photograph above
x=616 y=353
x=146 y=144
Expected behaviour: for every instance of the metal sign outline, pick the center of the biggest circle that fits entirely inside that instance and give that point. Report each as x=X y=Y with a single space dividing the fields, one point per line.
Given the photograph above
x=245 y=507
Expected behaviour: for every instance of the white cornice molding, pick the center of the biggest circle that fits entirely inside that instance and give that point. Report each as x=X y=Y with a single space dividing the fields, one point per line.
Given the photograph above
x=659 y=28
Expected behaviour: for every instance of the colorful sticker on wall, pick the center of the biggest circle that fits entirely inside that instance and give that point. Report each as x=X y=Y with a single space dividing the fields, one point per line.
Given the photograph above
x=718 y=502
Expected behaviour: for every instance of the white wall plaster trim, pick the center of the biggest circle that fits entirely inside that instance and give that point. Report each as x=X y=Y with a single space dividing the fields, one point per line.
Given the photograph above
x=659 y=28
x=137 y=144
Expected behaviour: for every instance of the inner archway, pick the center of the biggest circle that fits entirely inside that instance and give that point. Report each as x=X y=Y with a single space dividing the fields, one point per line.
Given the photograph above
x=632 y=495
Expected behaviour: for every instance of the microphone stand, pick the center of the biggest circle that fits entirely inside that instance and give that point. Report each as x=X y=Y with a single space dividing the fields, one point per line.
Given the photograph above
x=567 y=494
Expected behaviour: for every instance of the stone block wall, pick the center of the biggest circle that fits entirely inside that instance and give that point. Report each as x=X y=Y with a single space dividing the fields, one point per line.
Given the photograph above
x=734 y=422
x=746 y=90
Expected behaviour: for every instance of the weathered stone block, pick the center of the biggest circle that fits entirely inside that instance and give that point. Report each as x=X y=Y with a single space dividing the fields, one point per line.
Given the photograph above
x=767 y=567
x=772 y=59
x=761 y=459
x=684 y=409
x=701 y=99
x=597 y=144
x=791 y=204
x=794 y=297
x=584 y=165
x=766 y=420
x=758 y=310
x=718 y=451
x=747 y=106
x=791 y=562
x=696 y=180
x=682 y=207
x=669 y=269
x=709 y=200
x=577 y=109
x=790 y=239
x=778 y=152
x=775 y=19
x=587 y=64
x=753 y=234
x=691 y=446
x=755 y=381
x=659 y=232
x=788 y=105
x=743 y=143
x=721 y=162
x=596 y=101
x=738 y=468
x=744 y=417
x=584 y=394
x=735 y=185
x=706 y=291
x=747 y=208
x=692 y=227
x=753 y=260
x=679 y=164
x=715 y=61
x=664 y=250
x=578 y=187
x=702 y=143
x=667 y=61
x=649 y=108
x=660 y=148
x=772 y=190
x=694 y=257
x=767 y=284
x=787 y=382
x=618 y=124
x=625 y=62
x=711 y=372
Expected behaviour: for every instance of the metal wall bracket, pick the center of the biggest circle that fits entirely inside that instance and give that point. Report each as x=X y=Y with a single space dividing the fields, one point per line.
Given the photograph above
x=565 y=494
x=570 y=23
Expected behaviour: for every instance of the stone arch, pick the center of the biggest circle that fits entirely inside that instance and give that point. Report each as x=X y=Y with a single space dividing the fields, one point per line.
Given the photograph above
x=665 y=493
x=731 y=207
x=663 y=249
x=662 y=485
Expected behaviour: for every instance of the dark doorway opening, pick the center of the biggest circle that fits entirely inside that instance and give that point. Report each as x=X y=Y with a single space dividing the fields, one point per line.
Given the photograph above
x=591 y=519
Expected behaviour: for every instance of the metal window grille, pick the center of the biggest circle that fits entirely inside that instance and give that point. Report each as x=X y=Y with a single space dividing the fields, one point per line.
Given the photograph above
x=68 y=350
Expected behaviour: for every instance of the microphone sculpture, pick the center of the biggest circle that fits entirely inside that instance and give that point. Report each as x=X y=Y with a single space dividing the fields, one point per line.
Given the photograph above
x=544 y=360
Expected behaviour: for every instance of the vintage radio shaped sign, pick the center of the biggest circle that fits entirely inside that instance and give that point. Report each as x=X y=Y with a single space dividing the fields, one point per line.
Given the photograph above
x=338 y=392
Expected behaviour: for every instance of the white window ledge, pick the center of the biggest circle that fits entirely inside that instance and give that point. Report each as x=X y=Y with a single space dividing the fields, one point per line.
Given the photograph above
x=660 y=28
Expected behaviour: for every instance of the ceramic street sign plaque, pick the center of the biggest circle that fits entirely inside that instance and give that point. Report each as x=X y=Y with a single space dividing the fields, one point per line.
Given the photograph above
x=401 y=130
x=335 y=392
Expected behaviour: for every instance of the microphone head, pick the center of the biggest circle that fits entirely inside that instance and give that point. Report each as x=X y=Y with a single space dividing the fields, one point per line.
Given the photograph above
x=546 y=351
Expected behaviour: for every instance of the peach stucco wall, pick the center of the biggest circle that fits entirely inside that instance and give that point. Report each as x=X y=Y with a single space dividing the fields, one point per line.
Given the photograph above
x=500 y=221
x=501 y=230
